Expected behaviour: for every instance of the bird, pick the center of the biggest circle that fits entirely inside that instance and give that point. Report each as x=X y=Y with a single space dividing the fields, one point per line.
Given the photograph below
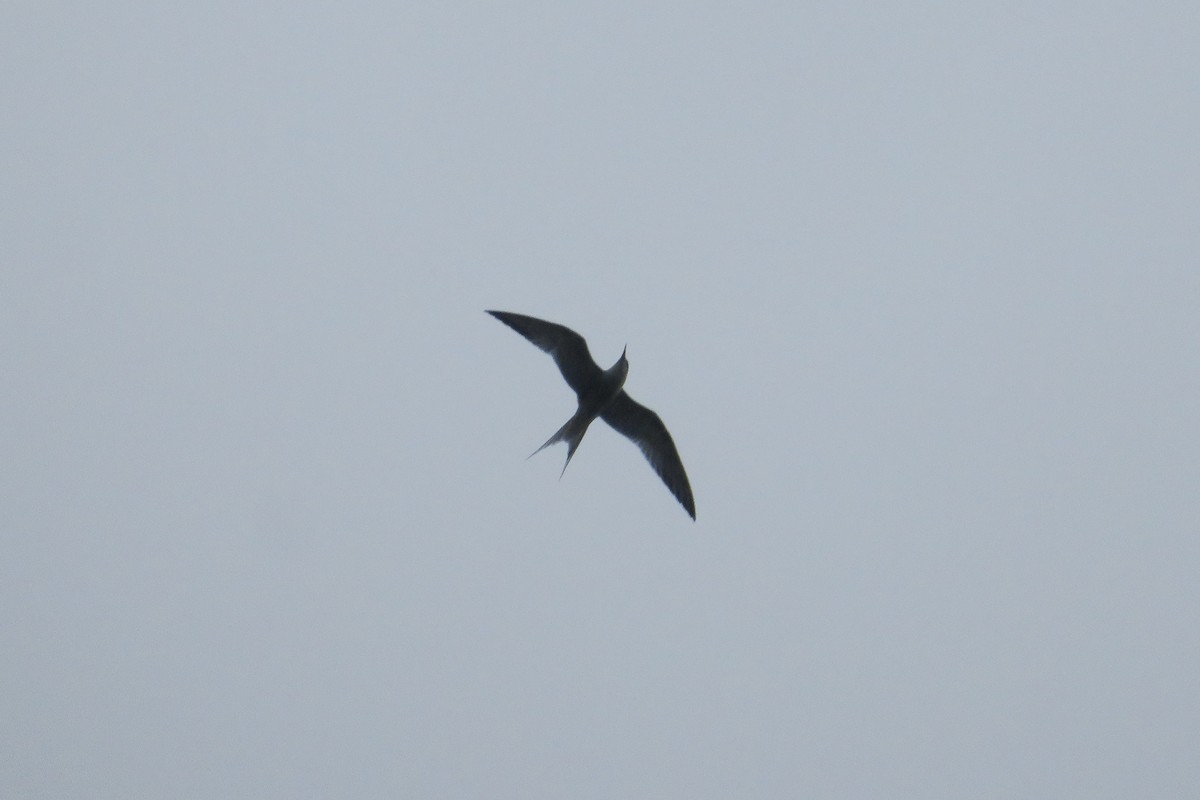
x=600 y=393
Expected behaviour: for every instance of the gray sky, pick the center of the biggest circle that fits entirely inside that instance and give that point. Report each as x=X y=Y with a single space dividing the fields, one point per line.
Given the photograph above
x=914 y=287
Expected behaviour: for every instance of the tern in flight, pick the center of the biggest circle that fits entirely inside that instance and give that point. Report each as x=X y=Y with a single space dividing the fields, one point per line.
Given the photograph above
x=600 y=394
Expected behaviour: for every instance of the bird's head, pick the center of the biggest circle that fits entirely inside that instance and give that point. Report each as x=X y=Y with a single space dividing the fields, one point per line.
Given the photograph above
x=621 y=368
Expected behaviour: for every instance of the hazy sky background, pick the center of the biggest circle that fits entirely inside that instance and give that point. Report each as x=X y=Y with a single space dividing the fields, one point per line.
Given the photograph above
x=916 y=288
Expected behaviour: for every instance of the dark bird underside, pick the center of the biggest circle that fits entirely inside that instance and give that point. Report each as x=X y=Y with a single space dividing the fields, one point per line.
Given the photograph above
x=600 y=394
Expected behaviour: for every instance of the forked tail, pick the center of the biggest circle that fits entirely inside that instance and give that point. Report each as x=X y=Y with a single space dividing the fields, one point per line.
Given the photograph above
x=572 y=433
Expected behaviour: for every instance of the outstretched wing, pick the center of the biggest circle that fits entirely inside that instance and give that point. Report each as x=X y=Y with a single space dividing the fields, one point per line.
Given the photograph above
x=647 y=431
x=568 y=348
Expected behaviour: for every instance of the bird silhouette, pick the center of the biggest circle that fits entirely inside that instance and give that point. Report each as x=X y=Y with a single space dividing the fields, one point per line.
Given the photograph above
x=601 y=394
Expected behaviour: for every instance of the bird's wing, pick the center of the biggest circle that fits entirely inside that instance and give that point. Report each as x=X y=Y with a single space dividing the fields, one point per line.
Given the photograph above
x=647 y=431
x=568 y=348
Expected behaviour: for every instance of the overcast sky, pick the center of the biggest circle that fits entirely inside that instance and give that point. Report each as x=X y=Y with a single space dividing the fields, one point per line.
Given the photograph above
x=916 y=288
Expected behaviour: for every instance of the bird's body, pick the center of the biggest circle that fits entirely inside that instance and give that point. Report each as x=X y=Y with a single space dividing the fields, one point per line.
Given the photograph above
x=600 y=393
